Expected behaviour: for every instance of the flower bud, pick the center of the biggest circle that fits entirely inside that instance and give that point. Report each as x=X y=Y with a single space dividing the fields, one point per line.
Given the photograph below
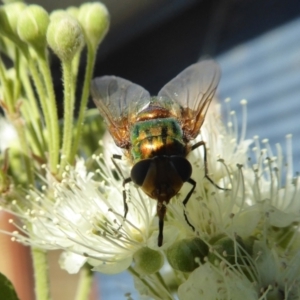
x=248 y=244
x=57 y=14
x=65 y=36
x=183 y=254
x=32 y=26
x=13 y=12
x=148 y=261
x=94 y=19
x=230 y=250
x=73 y=11
x=5 y=27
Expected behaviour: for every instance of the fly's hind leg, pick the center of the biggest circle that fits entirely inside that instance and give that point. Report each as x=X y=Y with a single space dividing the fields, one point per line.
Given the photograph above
x=125 y=181
x=201 y=143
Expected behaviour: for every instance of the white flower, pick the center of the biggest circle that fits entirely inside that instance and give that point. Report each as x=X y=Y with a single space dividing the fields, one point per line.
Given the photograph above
x=83 y=215
x=237 y=238
x=252 y=229
x=224 y=211
x=267 y=275
x=208 y=282
x=278 y=274
x=276 y=196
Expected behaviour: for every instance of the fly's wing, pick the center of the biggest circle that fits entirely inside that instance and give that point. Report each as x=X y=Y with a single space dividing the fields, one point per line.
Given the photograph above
x=193 y=89
x=118 y=101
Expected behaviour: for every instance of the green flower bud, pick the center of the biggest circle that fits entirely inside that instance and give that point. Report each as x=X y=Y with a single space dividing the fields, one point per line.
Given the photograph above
x=65 y=37
x=230 y=250
x=5 y=27
x=186 y=254
x=13 y=12
x=32 y=26
x=248 y=244
x=73 y=11
x=57 y=14
x=148 y=261
x=94 y=19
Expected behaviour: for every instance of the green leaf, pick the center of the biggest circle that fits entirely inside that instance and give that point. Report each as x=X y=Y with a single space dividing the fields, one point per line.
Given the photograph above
x=7 y=290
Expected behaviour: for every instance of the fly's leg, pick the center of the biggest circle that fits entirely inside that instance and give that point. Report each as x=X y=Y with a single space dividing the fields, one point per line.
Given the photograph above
x=201 y=143
x=193 y=182
x=125 y=181
x=119 y=157
x=187 y=198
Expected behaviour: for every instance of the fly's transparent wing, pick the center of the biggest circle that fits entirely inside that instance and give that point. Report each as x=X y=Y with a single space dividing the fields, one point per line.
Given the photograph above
x=193 y=89
x=118 y=101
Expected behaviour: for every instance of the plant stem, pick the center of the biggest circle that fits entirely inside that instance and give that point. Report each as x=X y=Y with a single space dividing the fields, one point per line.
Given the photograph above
x=41 y=274
x=33 y=139
x=24 y=148
x=35 y=115
x=42 y=97
x=151 y=289
x=91 y=51
x=17 y=83
x=68 y=115
x=85 y=284
x=75 y=65
x=54 y=139
x=7 y=89
x=161 y=280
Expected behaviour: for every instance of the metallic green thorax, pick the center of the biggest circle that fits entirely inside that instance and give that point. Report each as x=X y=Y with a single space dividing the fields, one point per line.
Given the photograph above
x=162 y=136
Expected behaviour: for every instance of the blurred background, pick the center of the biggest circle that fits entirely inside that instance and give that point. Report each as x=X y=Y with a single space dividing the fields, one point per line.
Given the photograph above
x=256 y=42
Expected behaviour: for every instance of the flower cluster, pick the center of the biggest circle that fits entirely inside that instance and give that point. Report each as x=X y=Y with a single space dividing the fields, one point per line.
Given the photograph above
x=237 y=238
x=40 y=138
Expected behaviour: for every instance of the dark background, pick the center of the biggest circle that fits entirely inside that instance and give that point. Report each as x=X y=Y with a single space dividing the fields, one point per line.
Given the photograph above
x=161 y=50
x=152 y=44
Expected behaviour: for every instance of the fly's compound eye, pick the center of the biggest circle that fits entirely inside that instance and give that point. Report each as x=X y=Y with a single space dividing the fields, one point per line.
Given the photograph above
x=182 y=166
x=139 y=171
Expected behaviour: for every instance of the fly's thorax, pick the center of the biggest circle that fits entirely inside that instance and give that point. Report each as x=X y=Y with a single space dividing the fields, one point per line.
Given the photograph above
x=158 y=108
x=156 y=137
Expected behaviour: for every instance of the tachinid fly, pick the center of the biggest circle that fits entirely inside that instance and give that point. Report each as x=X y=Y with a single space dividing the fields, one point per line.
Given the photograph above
x=156 y=132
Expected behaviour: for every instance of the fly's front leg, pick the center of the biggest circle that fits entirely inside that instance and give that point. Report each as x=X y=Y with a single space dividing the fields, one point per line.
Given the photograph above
x=125 y=181
x=187 y=198
x=119 y=157
x=201 y=143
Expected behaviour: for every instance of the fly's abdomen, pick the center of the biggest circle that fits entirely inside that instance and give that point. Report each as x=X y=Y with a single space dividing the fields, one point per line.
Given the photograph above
x=156 y=137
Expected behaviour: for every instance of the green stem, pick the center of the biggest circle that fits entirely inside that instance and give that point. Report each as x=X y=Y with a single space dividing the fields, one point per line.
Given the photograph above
x=24 y=149
x=34 y=141
x=7 y=89
x=161 y=280
x=35 y=115
x=151 y=289
x=17 y=83
x=91 y=51
x=75 y=65
x=43 y=98
x=68 y=114
x=54 y=139
x=40 y=266
x=85 y=284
